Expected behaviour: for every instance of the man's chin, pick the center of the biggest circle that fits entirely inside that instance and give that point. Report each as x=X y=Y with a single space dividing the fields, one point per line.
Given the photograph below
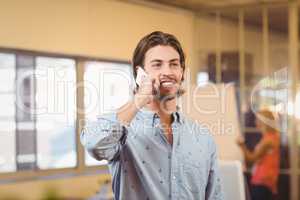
x=165 y=96
x=168 y=91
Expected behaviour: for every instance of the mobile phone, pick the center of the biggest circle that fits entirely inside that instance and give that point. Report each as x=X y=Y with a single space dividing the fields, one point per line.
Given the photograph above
x=141 y=74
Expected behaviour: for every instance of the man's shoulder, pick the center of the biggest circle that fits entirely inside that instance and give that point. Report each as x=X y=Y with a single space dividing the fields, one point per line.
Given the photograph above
x=197 y=127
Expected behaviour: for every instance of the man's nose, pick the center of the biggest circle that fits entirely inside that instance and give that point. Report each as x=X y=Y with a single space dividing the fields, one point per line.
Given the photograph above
x=166 y=70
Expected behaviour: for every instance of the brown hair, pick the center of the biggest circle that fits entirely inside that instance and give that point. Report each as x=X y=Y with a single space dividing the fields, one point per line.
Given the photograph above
x=151 y=40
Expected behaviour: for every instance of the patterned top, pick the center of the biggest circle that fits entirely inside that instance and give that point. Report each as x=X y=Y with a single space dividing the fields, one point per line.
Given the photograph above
x=144 y=165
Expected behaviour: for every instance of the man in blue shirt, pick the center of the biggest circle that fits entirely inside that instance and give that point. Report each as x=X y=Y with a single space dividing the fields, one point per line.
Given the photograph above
x=154 y=152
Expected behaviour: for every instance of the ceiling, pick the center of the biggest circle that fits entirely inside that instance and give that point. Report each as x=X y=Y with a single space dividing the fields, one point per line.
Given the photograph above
x=277 y=12
x=197 y=5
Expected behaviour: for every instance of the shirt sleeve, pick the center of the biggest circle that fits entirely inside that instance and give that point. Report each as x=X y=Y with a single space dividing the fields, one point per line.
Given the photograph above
x=213 y=187
x=103 y=139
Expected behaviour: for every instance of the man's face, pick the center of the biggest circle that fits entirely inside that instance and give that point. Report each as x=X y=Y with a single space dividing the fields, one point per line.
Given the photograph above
x=163 y=64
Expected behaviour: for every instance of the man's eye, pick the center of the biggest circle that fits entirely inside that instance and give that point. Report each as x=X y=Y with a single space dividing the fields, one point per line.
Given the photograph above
x=175 y=64
x=156 y=65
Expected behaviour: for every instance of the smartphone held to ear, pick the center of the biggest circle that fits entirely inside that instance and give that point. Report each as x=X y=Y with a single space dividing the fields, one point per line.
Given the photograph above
x=141 y=74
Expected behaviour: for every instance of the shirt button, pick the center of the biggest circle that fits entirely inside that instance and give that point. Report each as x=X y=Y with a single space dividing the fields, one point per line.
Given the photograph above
x=174 y=177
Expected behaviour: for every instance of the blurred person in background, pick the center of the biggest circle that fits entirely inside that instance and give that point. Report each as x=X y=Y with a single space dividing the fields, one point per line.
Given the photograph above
x=265 y=157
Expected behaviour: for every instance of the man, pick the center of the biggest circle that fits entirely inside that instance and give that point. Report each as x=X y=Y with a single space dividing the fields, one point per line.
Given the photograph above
x=154 y=152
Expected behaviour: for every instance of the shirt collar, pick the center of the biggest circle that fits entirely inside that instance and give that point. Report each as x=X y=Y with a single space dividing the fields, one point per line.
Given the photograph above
x=149 y=114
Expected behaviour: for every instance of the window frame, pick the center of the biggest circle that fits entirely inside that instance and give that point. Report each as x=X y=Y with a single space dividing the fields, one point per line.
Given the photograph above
x=81 y=168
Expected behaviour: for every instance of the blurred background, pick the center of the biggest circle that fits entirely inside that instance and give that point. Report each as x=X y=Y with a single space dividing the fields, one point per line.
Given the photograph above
x=63 y=62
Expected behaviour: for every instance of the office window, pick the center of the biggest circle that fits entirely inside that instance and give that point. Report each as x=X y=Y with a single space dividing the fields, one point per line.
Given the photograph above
x=107 y=86
x=202 y=78
x=38 y=112
x=7 y=114
x=55 y=112
x=25 y=110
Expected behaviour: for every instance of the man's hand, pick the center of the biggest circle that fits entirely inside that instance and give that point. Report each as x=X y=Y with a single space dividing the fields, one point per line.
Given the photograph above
x=144 y=95
x=146 y=92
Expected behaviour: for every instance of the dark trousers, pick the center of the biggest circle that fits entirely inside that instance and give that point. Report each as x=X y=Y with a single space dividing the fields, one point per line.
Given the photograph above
x=260 y=192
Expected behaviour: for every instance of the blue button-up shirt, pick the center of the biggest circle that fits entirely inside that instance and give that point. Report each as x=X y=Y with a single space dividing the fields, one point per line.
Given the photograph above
x=144 y=165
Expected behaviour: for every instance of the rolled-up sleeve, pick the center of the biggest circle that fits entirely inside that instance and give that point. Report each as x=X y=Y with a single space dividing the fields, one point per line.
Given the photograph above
x=214 y=187
x=103 y=139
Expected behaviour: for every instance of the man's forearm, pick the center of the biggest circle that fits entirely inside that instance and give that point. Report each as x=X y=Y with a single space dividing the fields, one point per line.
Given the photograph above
x=126 y=113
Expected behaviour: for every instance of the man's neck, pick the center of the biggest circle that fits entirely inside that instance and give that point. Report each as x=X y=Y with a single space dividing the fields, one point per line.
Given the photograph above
x=163 y=109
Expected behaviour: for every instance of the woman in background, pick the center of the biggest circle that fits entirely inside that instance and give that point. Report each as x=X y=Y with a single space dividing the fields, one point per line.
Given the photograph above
x=265 y=158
